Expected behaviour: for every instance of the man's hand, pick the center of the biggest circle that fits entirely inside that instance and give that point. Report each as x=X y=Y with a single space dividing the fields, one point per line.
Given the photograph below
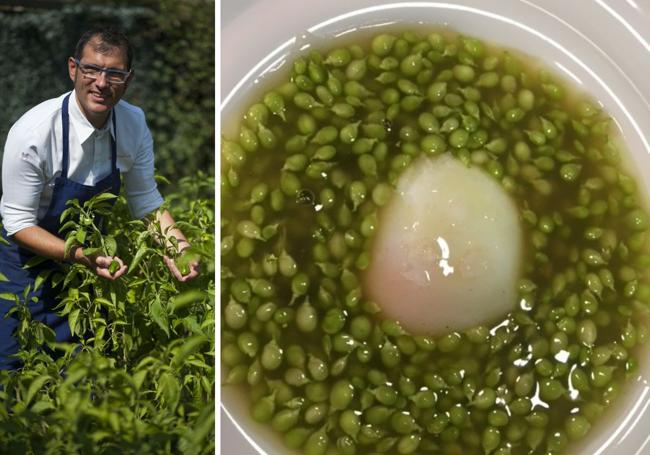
x=185 y=268
x=109 y=267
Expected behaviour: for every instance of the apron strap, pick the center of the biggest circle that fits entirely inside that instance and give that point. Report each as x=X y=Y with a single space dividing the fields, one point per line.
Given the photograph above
x=65 y=122
x=114 y=143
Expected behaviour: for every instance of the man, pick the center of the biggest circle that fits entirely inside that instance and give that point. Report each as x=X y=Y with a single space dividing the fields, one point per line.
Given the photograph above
x=75 y=146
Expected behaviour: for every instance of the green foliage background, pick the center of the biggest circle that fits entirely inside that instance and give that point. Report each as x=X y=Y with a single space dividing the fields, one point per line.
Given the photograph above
x=174 y=69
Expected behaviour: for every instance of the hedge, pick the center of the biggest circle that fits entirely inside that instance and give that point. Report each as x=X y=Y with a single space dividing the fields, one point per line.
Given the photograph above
x=174 y=70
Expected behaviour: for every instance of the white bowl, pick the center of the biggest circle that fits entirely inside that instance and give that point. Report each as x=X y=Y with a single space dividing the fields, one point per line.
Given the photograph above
x=602 y=46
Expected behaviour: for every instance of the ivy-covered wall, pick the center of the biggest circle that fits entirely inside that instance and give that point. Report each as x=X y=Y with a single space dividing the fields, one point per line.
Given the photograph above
x=174 y=69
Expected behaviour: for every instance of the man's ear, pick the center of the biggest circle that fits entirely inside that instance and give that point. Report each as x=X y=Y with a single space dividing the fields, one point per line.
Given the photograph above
x=72 y=68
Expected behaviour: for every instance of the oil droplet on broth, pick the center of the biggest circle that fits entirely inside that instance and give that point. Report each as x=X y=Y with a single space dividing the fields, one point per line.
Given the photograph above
x=447 y=253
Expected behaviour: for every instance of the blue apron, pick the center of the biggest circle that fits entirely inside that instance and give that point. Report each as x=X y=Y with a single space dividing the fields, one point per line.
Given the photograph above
x=13 y=257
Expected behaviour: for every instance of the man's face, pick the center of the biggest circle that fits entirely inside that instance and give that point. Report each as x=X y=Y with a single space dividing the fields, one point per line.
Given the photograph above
x=97 y=97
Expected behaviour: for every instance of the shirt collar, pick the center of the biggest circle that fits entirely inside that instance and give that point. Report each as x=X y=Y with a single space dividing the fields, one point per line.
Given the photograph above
x=82 y=126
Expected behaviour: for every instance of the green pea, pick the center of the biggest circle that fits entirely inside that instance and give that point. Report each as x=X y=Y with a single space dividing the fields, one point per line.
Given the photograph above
x=637 y=220
x=233 y=153
x=374 y=131
x=296 y=356
x=325 y=135
x=305 y=101
x=300 y=284
x=235 y=315
x=343 y=110
x=390 y=355
x=488 y=79
x=498 y=418
x=257 y=114
x=520 y=406
x=275 y=103
x=338 y=57
x=227 y=244
x=286 y=264
x=231 y=355
x=262 y=287
x=240 y=290
x=490 y=439
x=349 y=133
x=249 y=230
x=248 y=139
x=237 y=374
x=306 y=124
x=266 y=137
x=316 y=72
x=248 y=343
x=316 y=413
x=402 y=422
x=341 y=394
x=411 y=65
x=449 y=342
x=381 y=194
x=295 y=376
x=356 y=70
x=334 y=321
x=306 y=317
x=285 y=419
x=587 y=332
x=484 y=399
x=592 y=257
x=433 y=144
x=577 y=426
x=550 y=389
x=463 y=73
x=385 y=394
x=350 y=422
x=458 y=415
x=346 y=446
x=317 y=443
x=601 y=375
x=271 y=357
x=262 y=411
x=357 y=193
x=458 y=138
x=317 y=368
x=360 y=327
x=514 y=115
x=296 y=437
x=437 y=91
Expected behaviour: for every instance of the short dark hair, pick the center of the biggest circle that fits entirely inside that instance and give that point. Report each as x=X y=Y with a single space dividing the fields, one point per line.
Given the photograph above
x=109 y=37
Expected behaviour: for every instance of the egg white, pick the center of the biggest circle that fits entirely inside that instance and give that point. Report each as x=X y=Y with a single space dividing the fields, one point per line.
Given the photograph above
x=447 y=253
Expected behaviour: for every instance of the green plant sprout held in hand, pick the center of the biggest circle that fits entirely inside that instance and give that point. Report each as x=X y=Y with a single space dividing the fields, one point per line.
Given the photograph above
x=67 y=151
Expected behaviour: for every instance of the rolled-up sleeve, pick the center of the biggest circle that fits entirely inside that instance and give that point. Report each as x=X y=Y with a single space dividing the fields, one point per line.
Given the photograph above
x=141 y=190
x=22 y=183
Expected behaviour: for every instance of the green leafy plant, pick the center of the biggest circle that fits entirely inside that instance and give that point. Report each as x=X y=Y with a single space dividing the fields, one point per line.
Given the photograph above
x=139 y=377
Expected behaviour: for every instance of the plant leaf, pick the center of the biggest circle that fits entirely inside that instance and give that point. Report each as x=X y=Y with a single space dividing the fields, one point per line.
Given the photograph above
x=34 y=387
x=111 y=245
x=34 y=261
x=8 y=296
x=41 y=277
x=182 y=300
x=159 y=316
x=72 y=320
x=188 y=348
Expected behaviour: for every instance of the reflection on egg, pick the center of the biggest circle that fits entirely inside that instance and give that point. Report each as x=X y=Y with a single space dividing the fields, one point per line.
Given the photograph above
x=447 y=252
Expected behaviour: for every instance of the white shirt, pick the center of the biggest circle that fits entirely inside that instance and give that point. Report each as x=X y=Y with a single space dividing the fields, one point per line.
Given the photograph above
x=33 y=158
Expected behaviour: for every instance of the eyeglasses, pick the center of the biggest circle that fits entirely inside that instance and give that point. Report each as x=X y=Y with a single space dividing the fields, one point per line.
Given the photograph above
x=92 y=72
